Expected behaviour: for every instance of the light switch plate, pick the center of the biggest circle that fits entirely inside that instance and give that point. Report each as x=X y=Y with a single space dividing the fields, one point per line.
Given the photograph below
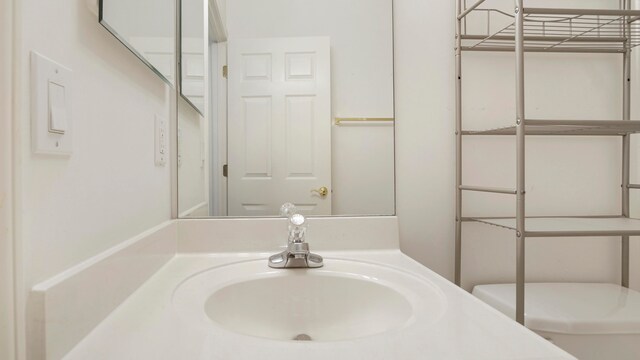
x=51 y=125
x=161 y=141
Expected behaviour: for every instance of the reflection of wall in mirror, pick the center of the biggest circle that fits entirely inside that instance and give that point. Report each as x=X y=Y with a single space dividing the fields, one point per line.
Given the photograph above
x=222 y=8
x=148 y=26
x=192 y=172
x=193 y=52
x=361 y=33
x=158 y=51
x=193 y=71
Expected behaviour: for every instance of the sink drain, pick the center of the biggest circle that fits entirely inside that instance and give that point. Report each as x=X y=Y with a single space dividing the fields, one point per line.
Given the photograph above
x=302 y=337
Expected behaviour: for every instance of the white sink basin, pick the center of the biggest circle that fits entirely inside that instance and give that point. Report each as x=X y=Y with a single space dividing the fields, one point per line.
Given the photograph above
x=344 y=300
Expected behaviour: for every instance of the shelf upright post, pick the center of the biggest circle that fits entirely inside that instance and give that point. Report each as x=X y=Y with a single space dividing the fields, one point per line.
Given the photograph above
x=520 y=162
x=458 y=245
x=626 y=141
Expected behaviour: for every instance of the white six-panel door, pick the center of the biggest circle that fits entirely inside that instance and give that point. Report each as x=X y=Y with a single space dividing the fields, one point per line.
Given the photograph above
x=279 y=125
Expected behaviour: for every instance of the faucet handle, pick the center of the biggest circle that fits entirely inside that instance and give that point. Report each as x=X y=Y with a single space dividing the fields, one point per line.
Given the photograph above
x=297 y=228
x=298 y=220
x=288 y=210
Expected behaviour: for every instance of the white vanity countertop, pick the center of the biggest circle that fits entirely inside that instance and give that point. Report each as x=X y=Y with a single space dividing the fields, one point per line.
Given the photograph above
x=146 y=325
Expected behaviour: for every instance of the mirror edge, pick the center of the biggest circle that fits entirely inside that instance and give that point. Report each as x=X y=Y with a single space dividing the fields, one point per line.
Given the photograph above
x=188 y=102
x=126 y=44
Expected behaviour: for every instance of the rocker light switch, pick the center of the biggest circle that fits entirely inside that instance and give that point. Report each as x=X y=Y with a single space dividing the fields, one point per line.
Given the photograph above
x=57 y=109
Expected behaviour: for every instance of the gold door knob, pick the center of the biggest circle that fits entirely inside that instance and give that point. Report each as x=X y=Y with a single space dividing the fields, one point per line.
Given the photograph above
x=323 y=191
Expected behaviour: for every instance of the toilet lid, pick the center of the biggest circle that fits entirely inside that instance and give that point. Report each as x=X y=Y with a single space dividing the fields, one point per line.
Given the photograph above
x=569 y=308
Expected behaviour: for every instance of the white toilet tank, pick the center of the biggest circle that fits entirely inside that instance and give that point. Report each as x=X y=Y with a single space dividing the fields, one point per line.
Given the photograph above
x=590 y=321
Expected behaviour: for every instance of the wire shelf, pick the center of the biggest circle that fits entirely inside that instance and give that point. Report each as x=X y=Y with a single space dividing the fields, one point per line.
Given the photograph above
x=570 y=226
x=547 y=30
x=567 y=128
x=553 y=30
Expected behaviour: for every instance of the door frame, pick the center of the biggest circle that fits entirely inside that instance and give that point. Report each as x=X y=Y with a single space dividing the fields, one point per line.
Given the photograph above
x=218 y=130
x=217 y=115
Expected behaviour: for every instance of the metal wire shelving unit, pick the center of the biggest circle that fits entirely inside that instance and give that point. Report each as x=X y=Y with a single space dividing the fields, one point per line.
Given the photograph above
x=548 y=30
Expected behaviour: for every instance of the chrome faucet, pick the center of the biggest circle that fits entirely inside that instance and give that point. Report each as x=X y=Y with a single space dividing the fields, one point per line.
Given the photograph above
x=297 y=254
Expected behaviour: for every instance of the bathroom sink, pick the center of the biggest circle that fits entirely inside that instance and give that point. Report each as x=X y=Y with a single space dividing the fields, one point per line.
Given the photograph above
x=344 y=300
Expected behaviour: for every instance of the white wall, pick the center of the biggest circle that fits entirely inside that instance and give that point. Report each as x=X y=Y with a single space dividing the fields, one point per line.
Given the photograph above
x=109 y=190
x=565 y=176
x=362 y=86
x=7 y=314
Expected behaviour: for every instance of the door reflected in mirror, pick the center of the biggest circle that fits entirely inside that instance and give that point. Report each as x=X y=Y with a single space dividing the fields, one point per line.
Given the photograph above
x=299 y=108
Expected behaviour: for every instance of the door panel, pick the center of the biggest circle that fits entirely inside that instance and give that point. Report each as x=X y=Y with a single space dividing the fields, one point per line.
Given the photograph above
x=299 y=133
x=257 y=137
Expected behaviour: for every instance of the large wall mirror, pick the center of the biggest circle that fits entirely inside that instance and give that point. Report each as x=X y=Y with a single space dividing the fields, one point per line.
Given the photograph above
x=297 y=106
x=147 y=28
